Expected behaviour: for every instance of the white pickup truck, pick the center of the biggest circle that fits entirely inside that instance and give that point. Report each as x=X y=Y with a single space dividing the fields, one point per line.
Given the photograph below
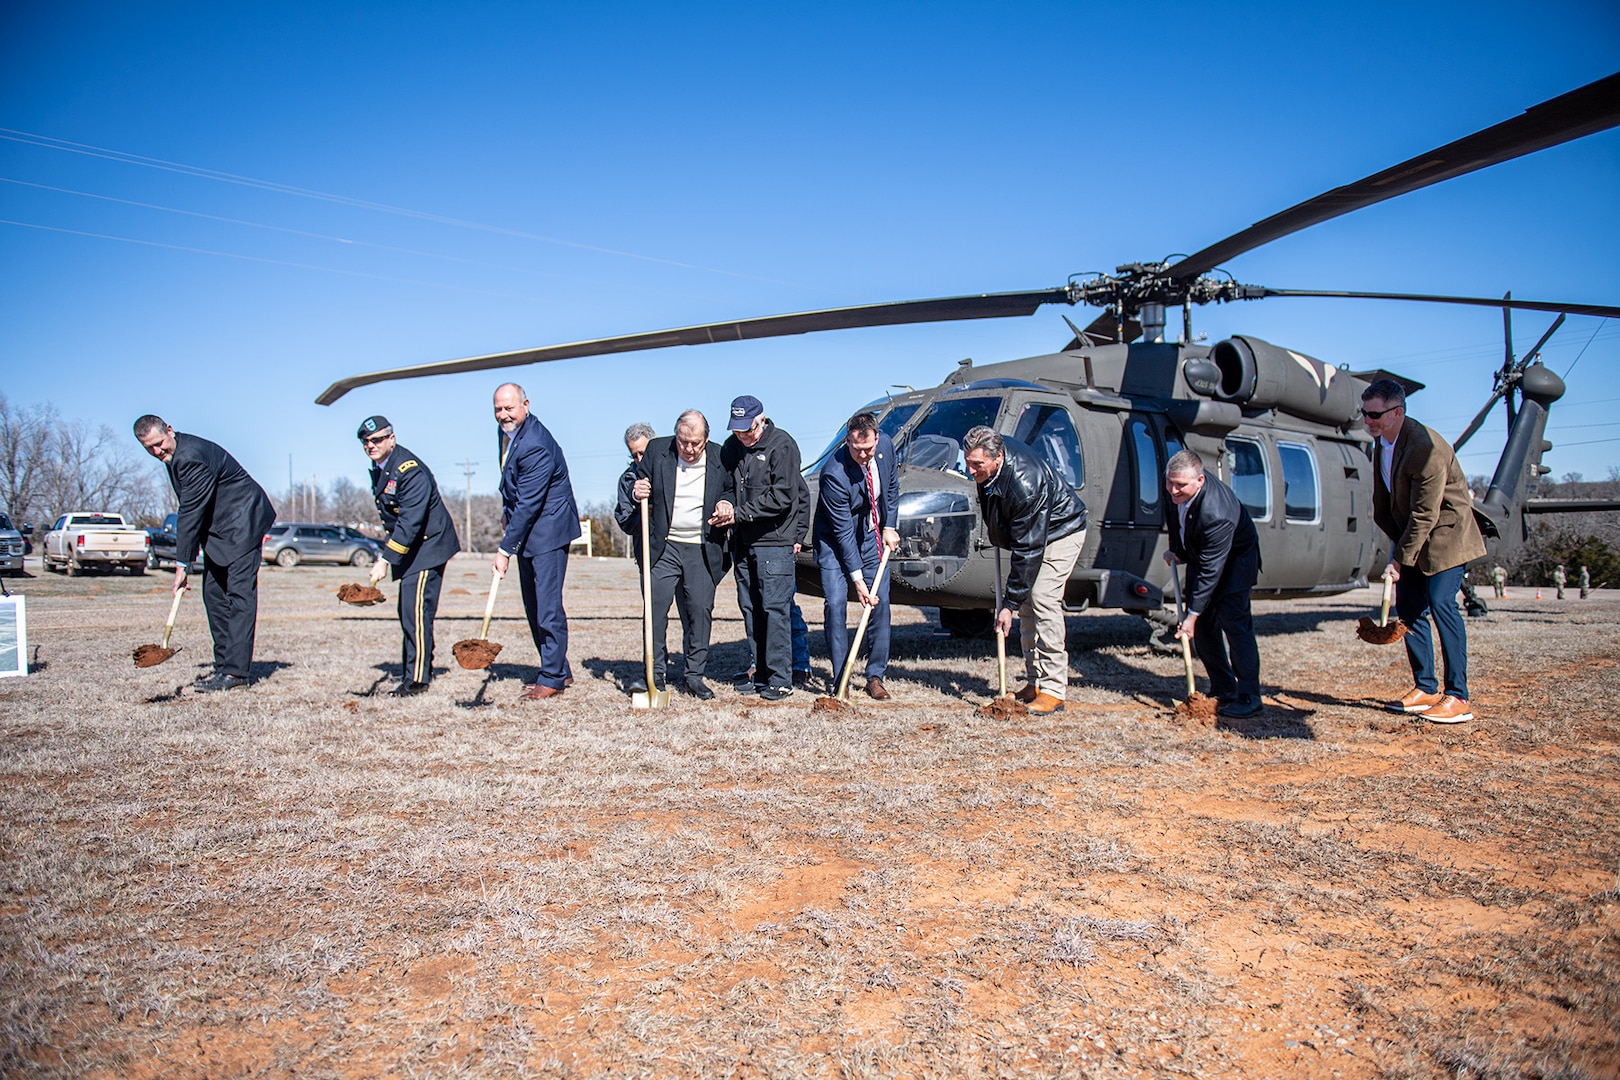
x=81 y=540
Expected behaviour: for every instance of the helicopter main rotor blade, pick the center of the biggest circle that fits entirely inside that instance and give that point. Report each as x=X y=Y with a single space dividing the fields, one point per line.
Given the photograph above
x=944 y=309
x=1602 y=311
x=1509 y=375
x=1592 y=108
x=1479 y=418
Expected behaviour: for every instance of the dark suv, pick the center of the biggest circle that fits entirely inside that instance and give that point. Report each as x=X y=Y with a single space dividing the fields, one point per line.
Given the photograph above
x=161 y=554
x=289 y=543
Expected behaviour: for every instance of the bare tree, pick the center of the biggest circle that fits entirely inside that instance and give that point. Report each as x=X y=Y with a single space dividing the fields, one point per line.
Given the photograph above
x=49 y=466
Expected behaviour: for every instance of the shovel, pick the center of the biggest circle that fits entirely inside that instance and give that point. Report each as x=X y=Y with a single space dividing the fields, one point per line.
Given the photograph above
x=1382 y=632
x=477 y=653
x=1197 y=705
x=860 y=630
x=153 y=655
x=652 y=697
x=1003 y=707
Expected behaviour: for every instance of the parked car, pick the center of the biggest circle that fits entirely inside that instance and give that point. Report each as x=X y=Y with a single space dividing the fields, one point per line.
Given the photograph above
x=289 y=543
x=13 y=546
x=162 y=553
x=82 y=539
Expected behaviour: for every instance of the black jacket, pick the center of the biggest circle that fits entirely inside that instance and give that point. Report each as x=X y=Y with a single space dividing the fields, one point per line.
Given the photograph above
x=1025 y=506
x=773 y=501
x=421 y=532
x=221 y=508
x=1221 y=548
x=627 y=511
x=660 y=465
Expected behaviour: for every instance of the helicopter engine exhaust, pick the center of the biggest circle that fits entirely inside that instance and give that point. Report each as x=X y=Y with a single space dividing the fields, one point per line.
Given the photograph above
x=1256 y=374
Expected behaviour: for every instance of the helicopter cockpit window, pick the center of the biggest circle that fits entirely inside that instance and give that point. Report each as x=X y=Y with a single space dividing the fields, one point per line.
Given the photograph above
x=936 y=441
x=1147 y=468
x=1301 y=503
x=890 y=421
x=1048 y=430
x=1249 y=480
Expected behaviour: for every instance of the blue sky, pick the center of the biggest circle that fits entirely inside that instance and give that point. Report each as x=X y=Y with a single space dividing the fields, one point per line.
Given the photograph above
x=336 y=188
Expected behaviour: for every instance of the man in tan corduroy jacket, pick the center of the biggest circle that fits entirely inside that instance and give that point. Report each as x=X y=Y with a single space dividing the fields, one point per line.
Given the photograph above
x=1422 y=503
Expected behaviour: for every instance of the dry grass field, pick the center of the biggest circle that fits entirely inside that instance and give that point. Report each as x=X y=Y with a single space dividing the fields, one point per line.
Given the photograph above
x=308 y=878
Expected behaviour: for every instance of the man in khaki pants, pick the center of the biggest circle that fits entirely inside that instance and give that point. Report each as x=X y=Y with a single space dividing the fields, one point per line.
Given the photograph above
x=1031 y=512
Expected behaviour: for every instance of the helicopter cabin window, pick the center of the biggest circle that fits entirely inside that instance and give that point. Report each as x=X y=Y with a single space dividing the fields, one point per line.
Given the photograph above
x=1048 y=430
x=1148 y=472
x=1301 y=502
x=936 y=441
x=1249 y=480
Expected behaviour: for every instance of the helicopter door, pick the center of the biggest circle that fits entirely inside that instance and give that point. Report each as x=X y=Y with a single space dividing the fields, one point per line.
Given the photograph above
x=1302 y=512
x=1146 y=500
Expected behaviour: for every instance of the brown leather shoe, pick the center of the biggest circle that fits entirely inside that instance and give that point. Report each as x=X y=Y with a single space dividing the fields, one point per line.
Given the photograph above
x=1027 y=694
x=1046 y=703
x=539 y=693
x=876 y=690
x=1450 y=710
x=1415 y=701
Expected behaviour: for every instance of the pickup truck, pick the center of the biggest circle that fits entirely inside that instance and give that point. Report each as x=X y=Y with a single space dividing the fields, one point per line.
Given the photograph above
x=161 y=555
x=12 y=546
x=82 y=540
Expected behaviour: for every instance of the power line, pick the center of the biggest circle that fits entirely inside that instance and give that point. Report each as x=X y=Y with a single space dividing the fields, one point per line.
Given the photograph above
x=1582 y=353
x=258 y=259
x=48 y=142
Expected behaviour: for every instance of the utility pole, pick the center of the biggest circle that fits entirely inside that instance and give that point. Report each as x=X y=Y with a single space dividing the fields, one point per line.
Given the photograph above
x=467 y=467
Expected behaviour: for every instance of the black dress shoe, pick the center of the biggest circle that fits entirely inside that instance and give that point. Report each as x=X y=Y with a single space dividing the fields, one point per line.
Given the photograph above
x=775 y=693
x=638 y=685
x=744 y=681
x=801 y=679
x=1242 y=708
x=698 y=688
x=408 y=689
x=216 y=683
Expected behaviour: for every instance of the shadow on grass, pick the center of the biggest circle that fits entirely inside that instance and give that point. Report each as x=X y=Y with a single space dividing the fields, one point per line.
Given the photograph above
x=1274 y=722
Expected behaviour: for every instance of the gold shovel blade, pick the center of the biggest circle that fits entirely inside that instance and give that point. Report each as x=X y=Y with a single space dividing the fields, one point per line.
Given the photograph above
x=649 y=699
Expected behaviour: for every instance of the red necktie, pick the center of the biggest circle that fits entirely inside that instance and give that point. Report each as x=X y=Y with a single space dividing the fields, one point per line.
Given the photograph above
x=871 y=492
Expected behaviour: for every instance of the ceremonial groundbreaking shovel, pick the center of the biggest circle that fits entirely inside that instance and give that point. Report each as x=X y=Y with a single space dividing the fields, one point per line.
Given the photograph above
x=1197 y=705
x=1382 y=632
x=153 y=655
x=1002 y=707
x=477 y=653
x=860 y=629
x=652 y=697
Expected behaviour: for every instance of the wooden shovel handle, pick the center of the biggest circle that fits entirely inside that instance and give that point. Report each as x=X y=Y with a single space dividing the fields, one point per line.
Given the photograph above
x=173 y=610
x=489 y=605
x=646 y=598
x=1389 y=588
x=860 y=630
x=1186 y=659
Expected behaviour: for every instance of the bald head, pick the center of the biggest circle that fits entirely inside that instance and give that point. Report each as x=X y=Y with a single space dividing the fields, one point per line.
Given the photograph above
x=511 y=406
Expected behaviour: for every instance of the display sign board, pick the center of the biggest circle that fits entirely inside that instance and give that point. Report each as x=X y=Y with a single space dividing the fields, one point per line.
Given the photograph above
x=13 y=636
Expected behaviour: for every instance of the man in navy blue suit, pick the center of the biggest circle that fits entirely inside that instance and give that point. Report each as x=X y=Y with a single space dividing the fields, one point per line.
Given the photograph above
x=856 y=512
x=540 y=520
x=224 y=511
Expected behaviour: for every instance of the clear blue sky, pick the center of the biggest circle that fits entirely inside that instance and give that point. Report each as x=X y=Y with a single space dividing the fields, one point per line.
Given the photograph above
x=558 y=172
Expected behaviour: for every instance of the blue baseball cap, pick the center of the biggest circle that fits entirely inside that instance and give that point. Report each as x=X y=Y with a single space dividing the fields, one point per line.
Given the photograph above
x=744 y=411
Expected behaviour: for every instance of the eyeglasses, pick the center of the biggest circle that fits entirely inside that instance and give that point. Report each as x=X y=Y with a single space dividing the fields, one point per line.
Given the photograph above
x=1376 y=414
x=374 y=440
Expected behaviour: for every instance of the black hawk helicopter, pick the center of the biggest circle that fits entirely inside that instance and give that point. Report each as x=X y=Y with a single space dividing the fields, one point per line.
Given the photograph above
x=1109 y=408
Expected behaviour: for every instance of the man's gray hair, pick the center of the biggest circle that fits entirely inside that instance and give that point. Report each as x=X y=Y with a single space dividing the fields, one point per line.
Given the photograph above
x=1392 y=393
x=638 y=430
x=690 y=417
x=521 y=392
x=147 y=424
x=1184 y=463
x=983 y=438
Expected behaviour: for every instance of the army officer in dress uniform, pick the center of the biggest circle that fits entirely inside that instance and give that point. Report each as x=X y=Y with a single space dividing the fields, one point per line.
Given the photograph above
x=421 y=539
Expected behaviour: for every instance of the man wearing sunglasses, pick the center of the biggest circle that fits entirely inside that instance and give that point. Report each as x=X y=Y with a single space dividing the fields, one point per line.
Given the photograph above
x=421 y=539
x=1422 y=502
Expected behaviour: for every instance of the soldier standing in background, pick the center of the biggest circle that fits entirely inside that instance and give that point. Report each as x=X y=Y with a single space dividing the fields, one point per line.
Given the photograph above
x=1586 y=582
x=1560 y=579
x=1499 y=579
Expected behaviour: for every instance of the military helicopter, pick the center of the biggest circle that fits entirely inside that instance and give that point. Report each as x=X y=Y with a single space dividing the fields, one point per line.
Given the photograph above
x=1107 y=410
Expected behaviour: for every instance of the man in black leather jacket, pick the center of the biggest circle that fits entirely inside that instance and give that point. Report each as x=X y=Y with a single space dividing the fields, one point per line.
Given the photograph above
x=1036 y=515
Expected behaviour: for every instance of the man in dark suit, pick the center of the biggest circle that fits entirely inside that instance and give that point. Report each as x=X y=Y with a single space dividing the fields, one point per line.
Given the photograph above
x=1213 y=534
x=1422 y=502
x=421 y=539
x=687 y=491
x=540 y=520
x=857 y=513
x=626 y=511
x=224 y=510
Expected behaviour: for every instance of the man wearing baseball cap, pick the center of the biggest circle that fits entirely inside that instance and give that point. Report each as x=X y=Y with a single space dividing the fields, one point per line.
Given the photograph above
x=421 y=539
x=764 y=463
